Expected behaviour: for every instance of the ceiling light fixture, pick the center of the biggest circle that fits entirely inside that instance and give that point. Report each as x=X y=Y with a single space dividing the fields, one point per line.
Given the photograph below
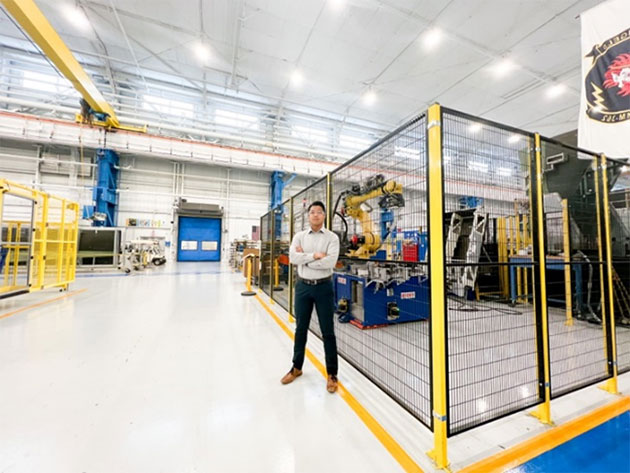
x=202 y=51
x=336 y=4
x=432 y=38
x=514 y=139
x=503 y=68
x=369 y=98
x=556 y=90
x=475 y=128
x=297 y=78
x=76 y=17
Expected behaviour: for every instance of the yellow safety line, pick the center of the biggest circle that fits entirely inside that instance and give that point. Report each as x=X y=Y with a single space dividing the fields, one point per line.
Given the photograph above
x=73 y=293
x=405 y=461
x=534 y=447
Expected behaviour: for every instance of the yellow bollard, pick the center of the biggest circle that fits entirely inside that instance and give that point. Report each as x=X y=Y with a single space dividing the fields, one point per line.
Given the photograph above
x=248 y=282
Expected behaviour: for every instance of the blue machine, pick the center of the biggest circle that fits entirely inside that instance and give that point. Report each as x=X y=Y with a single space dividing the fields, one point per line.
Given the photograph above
x=368 y=306
x=104 y=211
x=279 y=180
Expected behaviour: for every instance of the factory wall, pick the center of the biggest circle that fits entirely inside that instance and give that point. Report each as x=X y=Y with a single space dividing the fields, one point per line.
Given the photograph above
x=148 y=187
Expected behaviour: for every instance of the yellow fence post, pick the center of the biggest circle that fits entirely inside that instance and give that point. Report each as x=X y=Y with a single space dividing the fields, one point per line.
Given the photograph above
x=611 y=384
x=62 y=241
x=291 y=230
x=543 y=413
x=525 y=245
x=568 y=295
x=438 y=299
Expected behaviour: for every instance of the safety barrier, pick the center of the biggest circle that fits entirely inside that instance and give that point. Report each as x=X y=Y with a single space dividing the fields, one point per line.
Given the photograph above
x=479 y=272
x=39 y=239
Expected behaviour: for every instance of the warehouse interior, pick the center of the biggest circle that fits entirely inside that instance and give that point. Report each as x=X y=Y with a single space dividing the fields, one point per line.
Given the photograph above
x=158 y=159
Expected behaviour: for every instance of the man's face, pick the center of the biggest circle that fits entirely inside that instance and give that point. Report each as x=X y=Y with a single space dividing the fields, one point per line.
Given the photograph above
x=316 y=216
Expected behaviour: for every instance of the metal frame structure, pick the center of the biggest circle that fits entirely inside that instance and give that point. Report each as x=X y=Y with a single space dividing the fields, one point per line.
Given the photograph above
x=51 y=246
x=515 y=232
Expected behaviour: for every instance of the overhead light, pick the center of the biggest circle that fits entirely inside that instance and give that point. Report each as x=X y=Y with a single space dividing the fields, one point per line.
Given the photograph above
x=336 y=4
x=202 y=51
x=556 y=90
x=504 y=172
x=503 y=68
x=76 y=17
x=408 y=153
x=296 y=78
x=477 y=166
x=432 y=38
x=475 y=128
x=514 y=139
x=369 y=98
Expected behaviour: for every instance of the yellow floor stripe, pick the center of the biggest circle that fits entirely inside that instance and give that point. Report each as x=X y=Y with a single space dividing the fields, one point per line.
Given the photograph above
x=523 y=452
x=405 y=461
x=39 y=304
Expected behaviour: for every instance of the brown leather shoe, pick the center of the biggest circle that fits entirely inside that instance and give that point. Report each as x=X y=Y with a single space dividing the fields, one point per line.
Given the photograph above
x=332 y=384
x=291 y=375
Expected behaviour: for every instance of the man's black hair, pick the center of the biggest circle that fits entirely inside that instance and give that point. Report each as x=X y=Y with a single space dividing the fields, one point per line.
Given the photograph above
x=317 y=203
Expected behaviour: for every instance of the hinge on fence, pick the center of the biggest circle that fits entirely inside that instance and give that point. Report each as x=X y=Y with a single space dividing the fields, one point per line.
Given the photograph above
x=538 y=149
x=433 y=123
x=439 y=417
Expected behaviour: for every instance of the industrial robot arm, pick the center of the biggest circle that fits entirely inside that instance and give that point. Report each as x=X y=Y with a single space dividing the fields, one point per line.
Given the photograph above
x=390 y=192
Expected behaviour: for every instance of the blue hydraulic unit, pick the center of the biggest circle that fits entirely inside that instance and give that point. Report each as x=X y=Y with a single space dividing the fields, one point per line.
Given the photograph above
x=104 y=211
x=367 y=305
x=279 y=180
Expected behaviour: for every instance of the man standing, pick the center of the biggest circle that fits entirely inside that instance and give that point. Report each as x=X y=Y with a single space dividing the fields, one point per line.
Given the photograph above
x=315 y=252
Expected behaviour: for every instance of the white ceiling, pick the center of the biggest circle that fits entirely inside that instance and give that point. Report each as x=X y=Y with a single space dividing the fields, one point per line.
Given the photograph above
x=343 y=47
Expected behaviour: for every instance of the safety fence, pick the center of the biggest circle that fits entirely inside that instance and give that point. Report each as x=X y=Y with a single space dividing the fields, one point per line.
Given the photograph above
x=479 y=272
x=39 y=239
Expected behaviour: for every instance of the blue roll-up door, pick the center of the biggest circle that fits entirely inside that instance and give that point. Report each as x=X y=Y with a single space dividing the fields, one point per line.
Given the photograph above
x=199 y=239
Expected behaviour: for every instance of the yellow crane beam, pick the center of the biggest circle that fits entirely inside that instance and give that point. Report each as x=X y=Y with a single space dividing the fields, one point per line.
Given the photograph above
x=35 y=24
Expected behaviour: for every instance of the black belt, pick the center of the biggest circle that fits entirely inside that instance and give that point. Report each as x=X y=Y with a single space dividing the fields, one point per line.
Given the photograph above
x=315 y=282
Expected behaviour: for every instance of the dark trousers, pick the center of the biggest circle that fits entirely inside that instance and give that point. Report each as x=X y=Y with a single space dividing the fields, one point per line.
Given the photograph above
x=322 y=297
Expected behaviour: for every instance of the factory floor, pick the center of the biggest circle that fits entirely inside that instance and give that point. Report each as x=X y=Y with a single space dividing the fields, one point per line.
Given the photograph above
x=172 y=370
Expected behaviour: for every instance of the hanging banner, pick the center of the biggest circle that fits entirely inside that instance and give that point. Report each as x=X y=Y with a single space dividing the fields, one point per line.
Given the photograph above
x=604 y=122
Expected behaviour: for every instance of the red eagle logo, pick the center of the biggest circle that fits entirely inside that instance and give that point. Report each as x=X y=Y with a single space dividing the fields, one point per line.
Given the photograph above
x=618 y=75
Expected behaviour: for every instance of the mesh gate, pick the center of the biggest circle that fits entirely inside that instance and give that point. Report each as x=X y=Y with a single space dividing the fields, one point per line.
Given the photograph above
x=491 y=322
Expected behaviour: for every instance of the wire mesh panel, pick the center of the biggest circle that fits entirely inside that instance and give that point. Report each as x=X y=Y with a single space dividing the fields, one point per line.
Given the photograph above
x=16 y=215
x=618 y=175
x=575 y=269
x=379 y=211
x=280 y=257
x=491 y=326
x=265 y=276
x=301 y=201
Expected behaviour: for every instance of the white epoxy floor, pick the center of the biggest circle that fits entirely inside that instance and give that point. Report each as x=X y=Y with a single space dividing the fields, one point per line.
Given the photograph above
x=171 y=370
x=166 y=373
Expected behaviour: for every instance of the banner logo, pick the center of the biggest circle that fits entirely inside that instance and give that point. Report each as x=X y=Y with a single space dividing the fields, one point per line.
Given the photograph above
x=607 y=84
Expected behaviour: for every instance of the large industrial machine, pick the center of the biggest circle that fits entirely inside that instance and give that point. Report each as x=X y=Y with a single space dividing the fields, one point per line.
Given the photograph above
x=375 y=287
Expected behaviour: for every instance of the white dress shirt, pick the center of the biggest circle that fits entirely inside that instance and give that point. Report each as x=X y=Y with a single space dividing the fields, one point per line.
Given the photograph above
x=323 y=241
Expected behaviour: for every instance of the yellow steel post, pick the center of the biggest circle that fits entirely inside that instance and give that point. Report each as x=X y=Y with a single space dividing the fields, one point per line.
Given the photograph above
x=7 y=258
x=277 y=273
x=525 y=245
x=611 y=385
x=61 y=239
x=248 y=281
x=16 y=253
x=568 y=296
x=43 y=247
x=600 y=252
x=519 y=288
x=329 y=216
x=291 y=230
x=438 y=300
x=543 y=413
